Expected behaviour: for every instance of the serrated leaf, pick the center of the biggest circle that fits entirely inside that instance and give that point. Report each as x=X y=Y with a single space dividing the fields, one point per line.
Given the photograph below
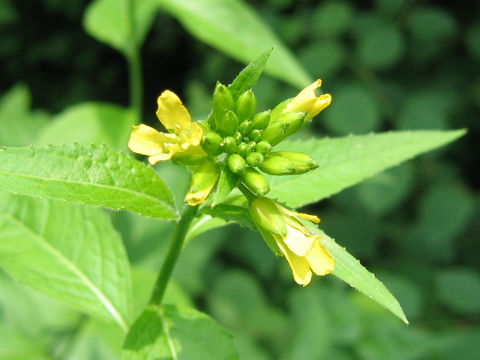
x=249 y=76
x=344 y=162
x=122 y=24
x=349 y=269
x=171 y=332
x=226 y=183
x=90 y=122
x=234 y=28
x=94 y=175
x=68 y=252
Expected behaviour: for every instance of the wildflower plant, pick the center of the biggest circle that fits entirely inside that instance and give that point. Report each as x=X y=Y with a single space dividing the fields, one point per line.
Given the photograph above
x=244 y=169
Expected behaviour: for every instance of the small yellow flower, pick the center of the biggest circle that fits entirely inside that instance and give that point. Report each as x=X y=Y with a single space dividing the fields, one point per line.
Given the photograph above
x=308 y=102
x=286 y=235
x=181 y=143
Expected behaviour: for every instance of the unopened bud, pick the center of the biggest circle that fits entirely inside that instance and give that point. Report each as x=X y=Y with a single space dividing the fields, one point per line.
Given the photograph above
x=212 y=143
x=222 y=101
x=293 y=119
x=236 y=163
x=246 y=105
x=243 y=149
x=254 y=159
x=238 y=137
x=245 y=127
x=229 y=145
x=263 y=147
x=274 y=133
x=255 y=181
x=261 y=120
x=228 y=123
x=204 y=178
x=277 y=165
x=255 y=134
x=302 y=162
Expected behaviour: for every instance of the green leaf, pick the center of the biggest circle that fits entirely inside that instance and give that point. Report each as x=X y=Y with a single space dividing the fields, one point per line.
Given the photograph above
x=68 y=252
x=231 y=213
x=18 y=125
x=344 y=162
x=226 y=183
x=94 y=175
x=88 y=123
x=349 y=269
x=233 y=27
x=171 y=332
x=122 y=24
x=249 y=76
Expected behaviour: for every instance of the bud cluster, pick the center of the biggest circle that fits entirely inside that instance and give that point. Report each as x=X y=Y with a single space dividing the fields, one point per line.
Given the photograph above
x=243 y=139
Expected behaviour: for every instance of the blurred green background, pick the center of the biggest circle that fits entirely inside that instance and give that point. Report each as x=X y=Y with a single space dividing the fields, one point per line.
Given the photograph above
x=390 y=65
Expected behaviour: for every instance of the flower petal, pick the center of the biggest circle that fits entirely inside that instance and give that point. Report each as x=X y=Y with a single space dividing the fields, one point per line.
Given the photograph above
x=299 y=265
x=171 y=112
x=320 y=260
x=145 y=140
x=298 y=241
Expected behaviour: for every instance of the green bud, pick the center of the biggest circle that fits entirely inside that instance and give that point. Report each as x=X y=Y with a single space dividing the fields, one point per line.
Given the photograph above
x=263 y=147
x=251 y=146
x=204 y=179
x=222 y=101
x=255 y=134
x=212 y=143
x=255 y=181
x=229 y=145
x=277 y=110
x=238 y=137
x=245 y=127
x=302 y=162
x=293 y=119
x=261 y=120
x=236 y=163
x=211 y=121
x=274 y=133
x=246 y=105
x=228 y=123
x=277 y=165
x=242 y=149
x=254 y=159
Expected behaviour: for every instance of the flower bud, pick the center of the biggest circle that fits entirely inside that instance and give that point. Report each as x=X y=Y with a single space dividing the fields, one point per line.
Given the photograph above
x=293 y=119
x=255 y=181
x=245 y=127
x=228 y=123
x=287 y=163
x=243 y=149
x=229 y=145
x=236 y=163
x=255 y=134
x=238 y=137
x=254 y=159
x=212 y=143
x=222 y=101
x=204 y=179
x=263 y=147
x=274 y=133
x=261 y=120
x=246 y=105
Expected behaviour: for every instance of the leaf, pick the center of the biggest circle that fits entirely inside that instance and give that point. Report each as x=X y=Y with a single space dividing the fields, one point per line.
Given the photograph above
x=233 y=27
x=68 y=252
x=344 y=162
x=113 y=21
x=94 y=175
x=88 y=123
x=249 y=76
x=231 y=213
x=226 y=183
x=349 y=269
x=171 y=332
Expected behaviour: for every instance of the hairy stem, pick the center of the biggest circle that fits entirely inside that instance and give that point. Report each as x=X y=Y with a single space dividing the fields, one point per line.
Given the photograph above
x=174 y=250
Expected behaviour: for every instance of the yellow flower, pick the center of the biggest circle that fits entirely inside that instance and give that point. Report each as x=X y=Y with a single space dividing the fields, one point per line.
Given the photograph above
x=181 y=143
x=308 y=102
x=286 y=235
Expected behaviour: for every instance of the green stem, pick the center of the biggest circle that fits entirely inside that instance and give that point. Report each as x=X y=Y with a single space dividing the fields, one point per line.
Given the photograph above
x=248 y=194
x=174 y=250
x=134 y=67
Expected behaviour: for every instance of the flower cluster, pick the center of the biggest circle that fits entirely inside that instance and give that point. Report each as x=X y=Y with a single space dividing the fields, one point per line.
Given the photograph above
x=237 y=139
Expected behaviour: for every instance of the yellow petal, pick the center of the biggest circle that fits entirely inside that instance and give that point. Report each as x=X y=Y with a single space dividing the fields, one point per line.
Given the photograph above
x=159 y=157
x=298 y=241
x=171 y=112
x=299 y=265
x=320 y=260
x=145 y=140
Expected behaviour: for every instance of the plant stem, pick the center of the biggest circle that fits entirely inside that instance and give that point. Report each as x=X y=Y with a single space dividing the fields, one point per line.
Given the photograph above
x=247 y=193
x=134 y=67
x=176 y=243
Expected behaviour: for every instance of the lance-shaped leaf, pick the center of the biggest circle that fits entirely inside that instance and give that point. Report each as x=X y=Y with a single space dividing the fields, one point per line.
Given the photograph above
x=69 y=252
x=171 y=332
x=93 y=175
x=346 y=161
